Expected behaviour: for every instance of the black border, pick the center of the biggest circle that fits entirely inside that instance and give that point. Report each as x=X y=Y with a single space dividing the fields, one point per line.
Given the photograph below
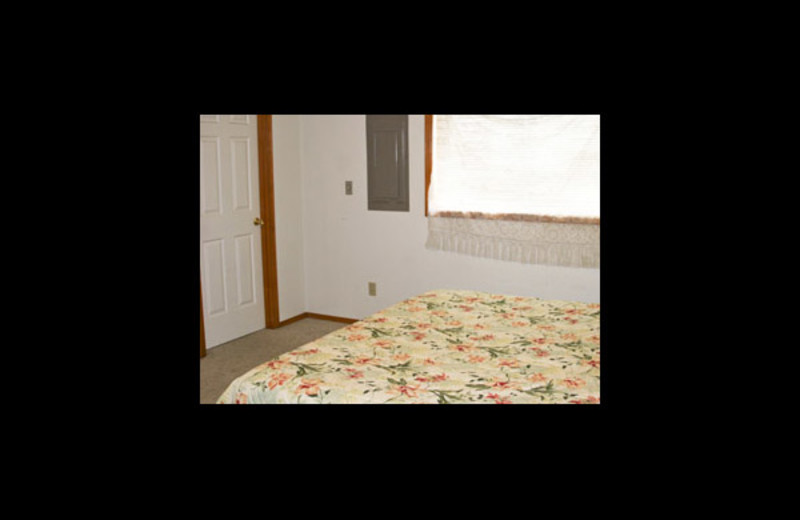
x=175 y=388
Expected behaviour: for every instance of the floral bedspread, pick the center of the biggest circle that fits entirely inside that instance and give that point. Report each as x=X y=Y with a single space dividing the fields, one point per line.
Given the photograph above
x=447 y=346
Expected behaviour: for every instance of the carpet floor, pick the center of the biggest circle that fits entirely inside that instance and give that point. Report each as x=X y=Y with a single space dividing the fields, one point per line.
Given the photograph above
x=224 y=363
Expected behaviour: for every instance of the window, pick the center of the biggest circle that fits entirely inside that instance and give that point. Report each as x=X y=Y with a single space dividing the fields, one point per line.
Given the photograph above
x=536 y=176
x=545 y=166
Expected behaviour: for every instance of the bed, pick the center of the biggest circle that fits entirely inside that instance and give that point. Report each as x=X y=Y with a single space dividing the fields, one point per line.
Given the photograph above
x=444 y=346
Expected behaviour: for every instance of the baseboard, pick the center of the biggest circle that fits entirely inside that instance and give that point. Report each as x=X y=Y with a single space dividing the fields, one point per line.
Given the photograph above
x=294 y=319
x=330 y=318
x=317 y=316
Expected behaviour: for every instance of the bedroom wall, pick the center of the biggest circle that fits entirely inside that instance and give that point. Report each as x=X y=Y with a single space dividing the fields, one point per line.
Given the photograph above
x=345 y=246
x=287 y=182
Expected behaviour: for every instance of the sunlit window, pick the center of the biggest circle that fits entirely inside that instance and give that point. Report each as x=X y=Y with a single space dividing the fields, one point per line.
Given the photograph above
x=516 y=165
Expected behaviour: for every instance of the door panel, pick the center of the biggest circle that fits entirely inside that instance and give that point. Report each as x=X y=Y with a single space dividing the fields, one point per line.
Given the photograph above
x=230 y=243
x=214 y=277
x=245 y=270
x=210 y=182
x=241 y=170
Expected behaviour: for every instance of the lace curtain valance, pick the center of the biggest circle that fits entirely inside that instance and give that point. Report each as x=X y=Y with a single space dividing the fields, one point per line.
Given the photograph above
x=574 y=245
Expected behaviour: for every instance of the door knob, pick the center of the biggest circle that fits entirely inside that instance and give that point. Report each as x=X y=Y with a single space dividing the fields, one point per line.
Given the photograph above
x=258 y=222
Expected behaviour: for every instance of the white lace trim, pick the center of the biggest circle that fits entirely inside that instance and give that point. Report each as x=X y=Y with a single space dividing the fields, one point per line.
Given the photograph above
x=573 y=245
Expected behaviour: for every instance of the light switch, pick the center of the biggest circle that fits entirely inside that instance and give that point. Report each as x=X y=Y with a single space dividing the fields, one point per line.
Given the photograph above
x=348 y=187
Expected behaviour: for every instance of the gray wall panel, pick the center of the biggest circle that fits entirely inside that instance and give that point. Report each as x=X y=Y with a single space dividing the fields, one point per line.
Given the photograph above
x=387 y=162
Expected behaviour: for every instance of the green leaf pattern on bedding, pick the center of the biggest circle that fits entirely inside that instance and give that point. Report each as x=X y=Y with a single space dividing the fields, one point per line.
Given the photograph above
x=447 y=346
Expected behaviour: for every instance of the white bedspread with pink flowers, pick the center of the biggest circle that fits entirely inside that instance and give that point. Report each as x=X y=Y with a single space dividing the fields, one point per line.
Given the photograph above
x=446 y=346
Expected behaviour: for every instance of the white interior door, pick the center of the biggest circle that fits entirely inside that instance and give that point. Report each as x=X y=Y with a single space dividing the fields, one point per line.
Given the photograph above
x=230 y=242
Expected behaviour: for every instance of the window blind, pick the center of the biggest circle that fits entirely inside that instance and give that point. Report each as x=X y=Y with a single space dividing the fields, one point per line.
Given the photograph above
x=537 y=165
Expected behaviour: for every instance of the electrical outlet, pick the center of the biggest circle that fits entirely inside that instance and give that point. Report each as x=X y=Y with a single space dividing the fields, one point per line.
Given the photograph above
x=348 y=187
x=372 y=288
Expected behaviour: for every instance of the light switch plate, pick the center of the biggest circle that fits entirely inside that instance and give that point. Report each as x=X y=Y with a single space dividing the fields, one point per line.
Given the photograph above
x=348 y=187
x=372 y=288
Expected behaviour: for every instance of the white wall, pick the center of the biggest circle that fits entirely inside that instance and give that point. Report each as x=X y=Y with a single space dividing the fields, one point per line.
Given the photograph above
x=287 y=182
x=345 y=246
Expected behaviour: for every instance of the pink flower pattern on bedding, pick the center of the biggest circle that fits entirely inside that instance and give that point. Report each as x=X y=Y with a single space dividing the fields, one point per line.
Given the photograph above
x=446 y=346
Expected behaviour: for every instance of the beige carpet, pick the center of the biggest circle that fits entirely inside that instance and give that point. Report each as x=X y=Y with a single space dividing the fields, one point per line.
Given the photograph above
x=224 y=363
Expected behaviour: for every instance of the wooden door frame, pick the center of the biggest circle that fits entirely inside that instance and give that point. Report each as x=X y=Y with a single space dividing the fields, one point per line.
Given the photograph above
x=266 y=192
x=269 y=254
